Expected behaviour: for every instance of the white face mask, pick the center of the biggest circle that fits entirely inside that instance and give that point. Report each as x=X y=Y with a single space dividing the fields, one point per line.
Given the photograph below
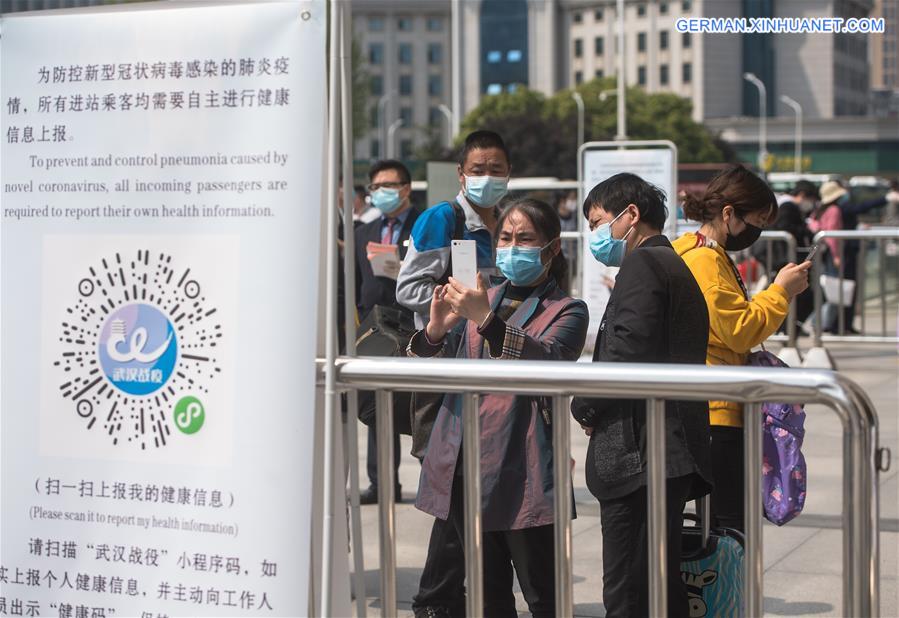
x=485 y=191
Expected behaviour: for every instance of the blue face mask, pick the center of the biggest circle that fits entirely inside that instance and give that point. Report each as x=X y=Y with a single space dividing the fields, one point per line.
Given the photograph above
x=485 y=191
x=521 y=265
x=386 y=200
x=606 y=249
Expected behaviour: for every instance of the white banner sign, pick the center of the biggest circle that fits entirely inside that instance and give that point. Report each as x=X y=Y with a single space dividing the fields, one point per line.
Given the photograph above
x=162 y=181
x=654 y=165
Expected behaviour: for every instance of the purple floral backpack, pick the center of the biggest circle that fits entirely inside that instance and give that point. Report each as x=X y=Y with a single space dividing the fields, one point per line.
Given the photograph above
x=783 y=466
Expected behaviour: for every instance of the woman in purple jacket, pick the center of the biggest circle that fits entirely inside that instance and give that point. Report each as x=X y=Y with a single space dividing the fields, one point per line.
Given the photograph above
x=527 y=317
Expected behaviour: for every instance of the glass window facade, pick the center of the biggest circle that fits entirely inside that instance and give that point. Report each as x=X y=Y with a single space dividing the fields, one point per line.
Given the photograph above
x=435 y=53
x=376 y=53
x=405 y=85
x=404 y=53
x=503 y=44
x=435 y=85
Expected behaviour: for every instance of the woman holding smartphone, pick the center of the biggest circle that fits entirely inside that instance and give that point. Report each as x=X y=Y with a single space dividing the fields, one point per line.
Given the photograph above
x=736 y=207
x=528 y=317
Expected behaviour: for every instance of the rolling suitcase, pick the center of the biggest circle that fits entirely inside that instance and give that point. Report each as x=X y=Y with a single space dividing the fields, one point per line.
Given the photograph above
x=712 y=566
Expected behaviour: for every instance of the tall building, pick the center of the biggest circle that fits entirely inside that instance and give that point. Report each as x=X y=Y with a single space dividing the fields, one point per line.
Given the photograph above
x=14 y=6
x=885 y=60
x=406 y=48
x=826 y=74
x=885 y=47
x=658 y=58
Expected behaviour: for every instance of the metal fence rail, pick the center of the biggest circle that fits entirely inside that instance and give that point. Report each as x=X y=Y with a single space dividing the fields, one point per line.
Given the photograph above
x=656 y=383
x=878 y=236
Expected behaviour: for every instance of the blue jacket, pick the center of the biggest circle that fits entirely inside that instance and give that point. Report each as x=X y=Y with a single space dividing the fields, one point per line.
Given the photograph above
x=428 y=256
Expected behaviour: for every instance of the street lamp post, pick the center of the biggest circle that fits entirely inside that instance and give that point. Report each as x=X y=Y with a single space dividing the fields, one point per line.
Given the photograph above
x=382 y=123
x=622 y=118
x=391 y=132
x=450 y=126
x=621 y=132
x=579 y=101
x=797 y=164
x=456 y=66
x=763 y=117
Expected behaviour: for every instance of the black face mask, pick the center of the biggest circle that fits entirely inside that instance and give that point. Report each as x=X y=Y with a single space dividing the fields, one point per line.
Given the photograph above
x=744 y=239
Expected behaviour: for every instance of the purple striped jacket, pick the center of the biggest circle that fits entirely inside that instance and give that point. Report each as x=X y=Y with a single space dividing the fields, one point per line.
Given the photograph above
x=516 y=433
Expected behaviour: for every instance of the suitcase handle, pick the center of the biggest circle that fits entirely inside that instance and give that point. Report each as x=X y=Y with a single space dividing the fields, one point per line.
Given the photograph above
x=703 y=517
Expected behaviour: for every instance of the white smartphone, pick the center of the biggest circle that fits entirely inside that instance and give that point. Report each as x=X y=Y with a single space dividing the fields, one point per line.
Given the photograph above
x=465 y=263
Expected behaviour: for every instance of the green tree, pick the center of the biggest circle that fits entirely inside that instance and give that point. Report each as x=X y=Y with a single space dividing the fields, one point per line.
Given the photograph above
x=541 y=132
x=522 y=118
x=361 y=91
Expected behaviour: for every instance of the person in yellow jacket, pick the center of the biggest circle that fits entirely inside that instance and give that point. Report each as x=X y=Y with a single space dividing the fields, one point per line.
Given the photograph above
x=735 y=208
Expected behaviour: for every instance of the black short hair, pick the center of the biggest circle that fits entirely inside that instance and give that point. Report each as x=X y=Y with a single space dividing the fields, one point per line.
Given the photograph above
x=614 y=194
x=482 y=140
x=807 y=187
x=390 y=164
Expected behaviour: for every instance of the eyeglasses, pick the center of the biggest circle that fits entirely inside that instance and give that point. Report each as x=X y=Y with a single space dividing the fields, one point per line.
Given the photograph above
x=386 y=185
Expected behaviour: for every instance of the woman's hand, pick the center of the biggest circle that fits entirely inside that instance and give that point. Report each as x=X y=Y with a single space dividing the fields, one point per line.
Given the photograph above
x=793 y=278
x=470 y=304
x=442 y=317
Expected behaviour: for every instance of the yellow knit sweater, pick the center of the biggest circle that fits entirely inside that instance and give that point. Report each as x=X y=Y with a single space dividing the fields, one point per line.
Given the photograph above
x=735 y=324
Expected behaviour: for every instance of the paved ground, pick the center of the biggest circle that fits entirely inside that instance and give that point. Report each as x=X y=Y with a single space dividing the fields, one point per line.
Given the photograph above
x=803 y=565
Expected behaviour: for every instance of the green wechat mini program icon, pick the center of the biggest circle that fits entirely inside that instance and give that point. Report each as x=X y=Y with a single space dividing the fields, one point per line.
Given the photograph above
x=189 y=415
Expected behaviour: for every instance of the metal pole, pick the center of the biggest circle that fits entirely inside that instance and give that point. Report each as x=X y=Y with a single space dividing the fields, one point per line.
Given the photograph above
x=386 y=512
x=860 y=286
x=349 y=278
x=456 y=65
x=471 y=466
x=882 y=273
x=391 y=133
x=797 y=147
x=841 y=316
x=656 y=505
x=449 y=123
x=331 y=397
x=653 y=79
x=763 y=117
x=579 y=101
x=382 y=124
x=562 y=503
x=622 y=65
x=818 y=295
x=752 y=514
x=792 y=316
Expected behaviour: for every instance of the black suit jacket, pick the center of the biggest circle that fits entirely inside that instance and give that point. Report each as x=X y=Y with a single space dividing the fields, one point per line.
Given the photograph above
x=372 y=290
x=656 y=314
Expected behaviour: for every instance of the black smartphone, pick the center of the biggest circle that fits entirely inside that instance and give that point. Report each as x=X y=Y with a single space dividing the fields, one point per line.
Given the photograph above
x=811 y=253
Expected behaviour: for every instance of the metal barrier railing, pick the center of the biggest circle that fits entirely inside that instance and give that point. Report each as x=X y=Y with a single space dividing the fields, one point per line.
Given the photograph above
x=749 y=385
x=878 y=236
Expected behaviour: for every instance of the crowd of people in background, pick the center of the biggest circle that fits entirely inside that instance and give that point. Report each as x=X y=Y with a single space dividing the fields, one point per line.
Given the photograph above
x=678 y=301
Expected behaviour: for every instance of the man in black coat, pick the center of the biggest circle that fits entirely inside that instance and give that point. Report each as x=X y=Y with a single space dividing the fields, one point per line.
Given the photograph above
x=656 y=314
x=390 y=187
